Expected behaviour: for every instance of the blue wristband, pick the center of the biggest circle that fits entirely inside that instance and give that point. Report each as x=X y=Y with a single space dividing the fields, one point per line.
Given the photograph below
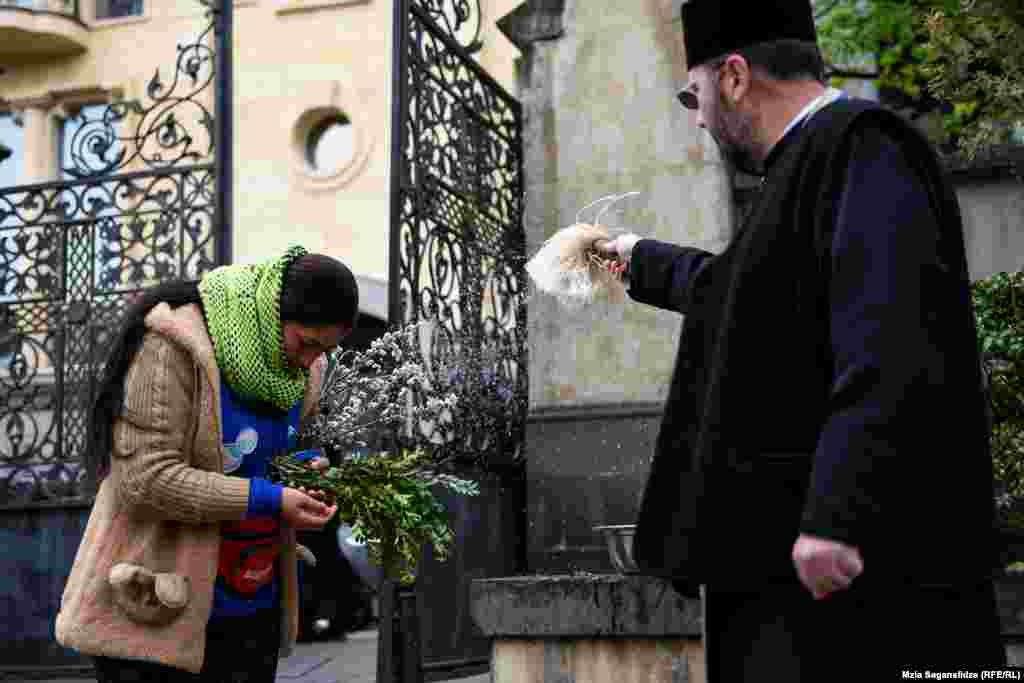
x=308 y=455
x=264 y=498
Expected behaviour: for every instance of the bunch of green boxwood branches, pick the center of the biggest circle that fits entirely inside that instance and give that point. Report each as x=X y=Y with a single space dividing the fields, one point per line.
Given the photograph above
x=999 y=312
x=388 y=501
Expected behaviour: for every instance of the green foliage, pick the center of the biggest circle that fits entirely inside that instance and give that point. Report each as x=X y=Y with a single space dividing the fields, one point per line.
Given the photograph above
x=883 y=40
x=979 y=68
x=999 y=314
x=999 y=308
x=388 y=502
x=1008 y=463
x=962 y=60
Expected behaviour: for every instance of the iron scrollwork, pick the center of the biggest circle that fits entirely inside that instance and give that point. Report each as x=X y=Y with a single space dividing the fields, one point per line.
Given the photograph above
x=73 y=256
x=159 y=137
x=66 y=274
x=459 y=19
x=459 y=237
x=457 y=268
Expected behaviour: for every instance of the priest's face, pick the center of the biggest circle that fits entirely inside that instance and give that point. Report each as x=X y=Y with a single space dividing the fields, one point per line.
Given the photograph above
x=728 y=124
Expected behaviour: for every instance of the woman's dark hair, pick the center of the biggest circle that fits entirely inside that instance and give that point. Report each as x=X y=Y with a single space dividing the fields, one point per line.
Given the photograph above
x=785 y=60
x=106 y=407
x=319 y=290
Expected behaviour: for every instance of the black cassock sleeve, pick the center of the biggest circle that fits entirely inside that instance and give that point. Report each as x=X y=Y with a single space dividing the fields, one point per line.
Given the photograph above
x=662 y=274
x=887 y=292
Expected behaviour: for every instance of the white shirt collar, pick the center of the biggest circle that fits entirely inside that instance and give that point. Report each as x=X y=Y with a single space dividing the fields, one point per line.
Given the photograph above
x=818 y=103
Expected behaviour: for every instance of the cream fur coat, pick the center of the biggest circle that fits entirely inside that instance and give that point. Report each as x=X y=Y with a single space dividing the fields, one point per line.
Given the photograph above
x=141 y=586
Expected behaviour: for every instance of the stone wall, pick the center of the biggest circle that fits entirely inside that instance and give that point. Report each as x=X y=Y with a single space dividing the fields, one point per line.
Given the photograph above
x=993 y=212
x=601 y=118
x=592 y=628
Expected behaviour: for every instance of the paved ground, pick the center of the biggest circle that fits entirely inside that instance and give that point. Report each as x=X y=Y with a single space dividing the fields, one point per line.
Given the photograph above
x=353 y=660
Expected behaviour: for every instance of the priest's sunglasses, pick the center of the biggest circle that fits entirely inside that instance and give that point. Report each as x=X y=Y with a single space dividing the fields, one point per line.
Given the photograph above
x=687 y=97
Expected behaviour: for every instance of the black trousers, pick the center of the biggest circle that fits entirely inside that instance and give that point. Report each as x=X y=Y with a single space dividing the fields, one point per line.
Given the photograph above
x=866 y=633
x=238 y=650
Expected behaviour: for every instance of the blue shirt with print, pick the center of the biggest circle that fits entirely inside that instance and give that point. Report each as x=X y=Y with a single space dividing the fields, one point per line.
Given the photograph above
x=253 y=436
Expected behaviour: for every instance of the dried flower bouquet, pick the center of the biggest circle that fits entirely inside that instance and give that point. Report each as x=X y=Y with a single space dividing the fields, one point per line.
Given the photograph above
x=384 y=495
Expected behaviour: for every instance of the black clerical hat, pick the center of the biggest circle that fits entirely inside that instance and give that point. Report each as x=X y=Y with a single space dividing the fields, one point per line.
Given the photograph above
x=713 y=28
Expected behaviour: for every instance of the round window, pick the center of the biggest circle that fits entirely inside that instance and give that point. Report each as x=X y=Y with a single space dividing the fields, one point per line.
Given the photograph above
x=330 y=145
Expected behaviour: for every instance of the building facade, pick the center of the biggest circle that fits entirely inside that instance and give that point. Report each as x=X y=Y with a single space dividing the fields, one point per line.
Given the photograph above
x=107 y=130
x=312 y=121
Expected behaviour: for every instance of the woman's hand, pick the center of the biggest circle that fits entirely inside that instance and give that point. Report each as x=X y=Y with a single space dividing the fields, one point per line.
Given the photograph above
x=319 y=463
x=303 y=511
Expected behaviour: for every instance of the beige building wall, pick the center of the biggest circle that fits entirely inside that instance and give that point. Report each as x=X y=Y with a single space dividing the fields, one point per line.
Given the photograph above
x=296 y=62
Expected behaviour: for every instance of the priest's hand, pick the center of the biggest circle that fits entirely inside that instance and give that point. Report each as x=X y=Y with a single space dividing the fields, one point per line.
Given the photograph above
x=619 y=249
x=825 y=566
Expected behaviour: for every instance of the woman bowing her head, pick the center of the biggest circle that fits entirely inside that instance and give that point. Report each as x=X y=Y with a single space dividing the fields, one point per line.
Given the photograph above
x=188 y=561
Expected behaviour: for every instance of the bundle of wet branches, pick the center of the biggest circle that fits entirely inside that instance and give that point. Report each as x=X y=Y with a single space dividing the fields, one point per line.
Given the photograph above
x=571 y=267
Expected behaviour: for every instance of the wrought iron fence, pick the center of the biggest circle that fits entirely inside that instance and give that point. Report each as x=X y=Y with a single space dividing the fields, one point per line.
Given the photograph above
x=72 y=255
x=458 y=246
x=142 y=207
x=458 y=262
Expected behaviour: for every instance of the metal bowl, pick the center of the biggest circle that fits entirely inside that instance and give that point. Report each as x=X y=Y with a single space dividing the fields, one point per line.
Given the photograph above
x=619 y=539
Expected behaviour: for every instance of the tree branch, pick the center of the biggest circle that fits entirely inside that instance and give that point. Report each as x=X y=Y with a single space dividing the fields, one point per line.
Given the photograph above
x=852 y=72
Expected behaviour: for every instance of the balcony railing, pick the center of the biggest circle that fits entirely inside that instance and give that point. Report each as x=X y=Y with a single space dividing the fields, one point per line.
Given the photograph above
x=62 y=7
x=66 y=8
x=37 y=30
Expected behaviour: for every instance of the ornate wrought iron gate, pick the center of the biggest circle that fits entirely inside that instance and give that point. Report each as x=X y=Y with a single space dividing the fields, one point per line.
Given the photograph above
x=144 y=201
x=72 y=259
x=457 y=259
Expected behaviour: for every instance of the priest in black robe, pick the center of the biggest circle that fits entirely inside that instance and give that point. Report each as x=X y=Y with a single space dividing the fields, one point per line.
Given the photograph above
x=822 y=466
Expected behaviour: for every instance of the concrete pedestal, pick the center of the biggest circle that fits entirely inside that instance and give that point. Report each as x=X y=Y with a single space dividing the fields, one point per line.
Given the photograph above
x=598 y=628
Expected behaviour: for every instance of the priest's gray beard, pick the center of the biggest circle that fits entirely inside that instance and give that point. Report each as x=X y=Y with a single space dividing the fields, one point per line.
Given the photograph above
x=733 y=132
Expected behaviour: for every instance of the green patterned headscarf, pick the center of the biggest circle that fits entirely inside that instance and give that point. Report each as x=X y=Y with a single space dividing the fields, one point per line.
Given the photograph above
x=243 y=313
